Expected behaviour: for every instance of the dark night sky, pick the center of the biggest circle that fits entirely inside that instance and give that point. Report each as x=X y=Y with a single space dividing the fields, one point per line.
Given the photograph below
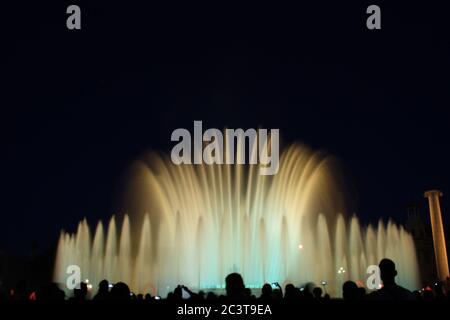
x=79 y=106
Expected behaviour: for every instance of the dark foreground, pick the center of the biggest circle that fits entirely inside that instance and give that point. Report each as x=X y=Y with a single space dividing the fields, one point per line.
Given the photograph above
x=164 y=309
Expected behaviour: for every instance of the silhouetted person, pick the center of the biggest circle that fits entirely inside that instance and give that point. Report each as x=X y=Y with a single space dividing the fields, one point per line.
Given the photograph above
x=277 y=294
x=80 y=294
x=306 y=292
x=103 y=291
x=178 y=293
x=248 y=294
x=317 y=293
x=120 y=292
x=235 y=288
x=390 y=290
x=349 y=290
x=361 y=293
x=50 y=292
x=279 y=287
x=266 y=293
x=306 y=295
x=148 y=297
x=290 y=293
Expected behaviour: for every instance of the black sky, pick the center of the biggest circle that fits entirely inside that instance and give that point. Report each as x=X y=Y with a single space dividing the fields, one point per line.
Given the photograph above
x=79 y=106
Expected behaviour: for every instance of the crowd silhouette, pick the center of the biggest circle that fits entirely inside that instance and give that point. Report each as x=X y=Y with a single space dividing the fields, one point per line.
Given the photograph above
x=235 y=290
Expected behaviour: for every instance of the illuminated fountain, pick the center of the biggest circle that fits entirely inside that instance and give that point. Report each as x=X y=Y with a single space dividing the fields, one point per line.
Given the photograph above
x=194 y=224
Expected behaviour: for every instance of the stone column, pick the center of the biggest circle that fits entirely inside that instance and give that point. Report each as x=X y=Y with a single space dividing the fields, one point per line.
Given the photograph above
x=437 y=227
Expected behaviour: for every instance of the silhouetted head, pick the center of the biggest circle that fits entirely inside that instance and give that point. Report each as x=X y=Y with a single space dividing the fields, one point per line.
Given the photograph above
x=387 y=271
x=349 y=290
x=317 y=292
x=178 y=292
x=290 y=292
x=103 y=286
x=289 y=287
x=120 y=291
x=49 y=292
x=266 y=290
x=276 y=294
x=81 y=292
x=235 y=285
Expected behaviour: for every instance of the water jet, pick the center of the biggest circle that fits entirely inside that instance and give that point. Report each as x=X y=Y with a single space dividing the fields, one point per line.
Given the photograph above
x=194 y=224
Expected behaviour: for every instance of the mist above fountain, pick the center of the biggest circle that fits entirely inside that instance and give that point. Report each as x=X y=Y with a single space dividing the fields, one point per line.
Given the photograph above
x=194 y=224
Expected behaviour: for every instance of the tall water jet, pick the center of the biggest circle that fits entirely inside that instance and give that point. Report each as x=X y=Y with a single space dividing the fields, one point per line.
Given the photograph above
x=194 y=224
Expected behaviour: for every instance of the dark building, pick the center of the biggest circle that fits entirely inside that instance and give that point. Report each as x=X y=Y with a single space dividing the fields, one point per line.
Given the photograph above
x=25 y=274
